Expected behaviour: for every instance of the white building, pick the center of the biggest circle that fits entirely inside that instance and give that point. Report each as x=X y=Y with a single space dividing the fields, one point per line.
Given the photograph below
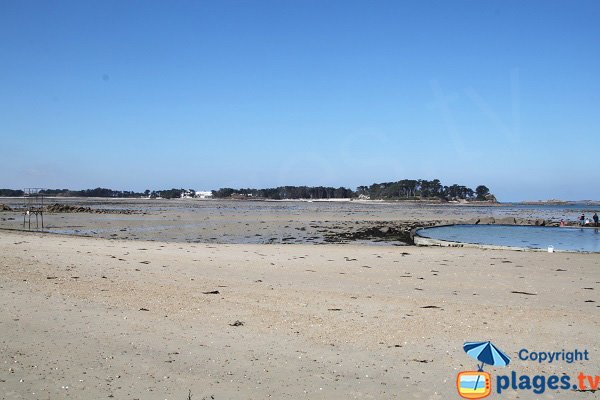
x=203 y=195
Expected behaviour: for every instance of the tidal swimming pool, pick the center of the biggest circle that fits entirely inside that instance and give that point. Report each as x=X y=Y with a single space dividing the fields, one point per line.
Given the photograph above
x=531 y=237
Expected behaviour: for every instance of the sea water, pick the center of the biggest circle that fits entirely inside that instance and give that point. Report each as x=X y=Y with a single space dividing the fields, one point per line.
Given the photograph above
x=532 y=237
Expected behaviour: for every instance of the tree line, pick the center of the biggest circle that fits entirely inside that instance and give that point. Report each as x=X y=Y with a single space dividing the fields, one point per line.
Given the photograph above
x=406 y=189
x=287 y=193
x=103 y=192
x=423 y=189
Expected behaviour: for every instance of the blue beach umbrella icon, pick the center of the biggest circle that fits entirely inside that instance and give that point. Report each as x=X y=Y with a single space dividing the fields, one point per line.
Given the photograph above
x=487 y=353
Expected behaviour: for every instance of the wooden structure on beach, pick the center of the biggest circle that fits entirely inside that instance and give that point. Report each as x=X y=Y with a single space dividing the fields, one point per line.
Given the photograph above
x=33 y=205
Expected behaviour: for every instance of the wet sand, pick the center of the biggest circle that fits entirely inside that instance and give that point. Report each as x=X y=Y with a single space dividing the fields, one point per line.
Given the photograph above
x=259 y=222
x=96 y=318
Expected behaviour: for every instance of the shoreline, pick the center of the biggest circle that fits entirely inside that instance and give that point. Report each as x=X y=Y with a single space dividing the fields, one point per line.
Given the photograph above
x=269 y=222
x=426 y=202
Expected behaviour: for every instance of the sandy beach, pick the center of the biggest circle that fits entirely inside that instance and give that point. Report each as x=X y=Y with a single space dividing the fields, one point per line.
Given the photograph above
x=97 y=318
x=299 y=200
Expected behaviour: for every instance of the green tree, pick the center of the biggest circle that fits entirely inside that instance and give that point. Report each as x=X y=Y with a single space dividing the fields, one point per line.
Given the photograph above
x=481 y=192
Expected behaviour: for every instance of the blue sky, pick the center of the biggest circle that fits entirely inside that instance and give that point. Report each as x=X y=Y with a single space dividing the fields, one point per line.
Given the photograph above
x=139 y=94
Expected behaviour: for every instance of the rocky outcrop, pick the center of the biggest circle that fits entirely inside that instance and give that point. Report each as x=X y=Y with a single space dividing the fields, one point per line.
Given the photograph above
x=506 y=221
x=378 y=232
x=65 y=208
x=4 y=207
x=404 y=231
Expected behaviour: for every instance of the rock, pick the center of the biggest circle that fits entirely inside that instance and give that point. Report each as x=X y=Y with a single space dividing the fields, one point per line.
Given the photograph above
x=4 y=207
x=65 y=208
x=412 y=234
x=487 y=220
x=506 y=221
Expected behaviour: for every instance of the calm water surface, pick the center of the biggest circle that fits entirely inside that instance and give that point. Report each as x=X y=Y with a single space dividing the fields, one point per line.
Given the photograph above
x=533 y=237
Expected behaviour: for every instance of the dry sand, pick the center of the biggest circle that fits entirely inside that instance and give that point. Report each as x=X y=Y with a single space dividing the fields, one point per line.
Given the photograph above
x=89 y=318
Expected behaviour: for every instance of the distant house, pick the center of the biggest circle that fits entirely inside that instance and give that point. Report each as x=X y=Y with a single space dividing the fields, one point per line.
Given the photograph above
x=203 y=195
x=188 y=194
